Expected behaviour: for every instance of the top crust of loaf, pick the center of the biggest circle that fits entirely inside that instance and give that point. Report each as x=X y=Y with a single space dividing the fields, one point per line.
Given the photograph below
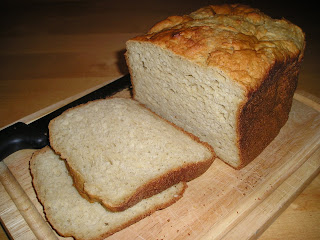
x=241 y=41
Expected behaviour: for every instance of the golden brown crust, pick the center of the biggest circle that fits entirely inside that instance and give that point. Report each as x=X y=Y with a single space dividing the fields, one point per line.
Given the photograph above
x=267 y=110
x=241 y=41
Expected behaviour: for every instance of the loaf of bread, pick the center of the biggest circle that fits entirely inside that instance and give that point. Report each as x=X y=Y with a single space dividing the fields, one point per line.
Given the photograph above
x=225 y=73
x=71 y=215
x=119 y=152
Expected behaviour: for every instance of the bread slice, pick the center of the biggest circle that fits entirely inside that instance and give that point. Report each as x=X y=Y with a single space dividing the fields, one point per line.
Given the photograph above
x=119 y=152
x=73 y=216
x=226 y=73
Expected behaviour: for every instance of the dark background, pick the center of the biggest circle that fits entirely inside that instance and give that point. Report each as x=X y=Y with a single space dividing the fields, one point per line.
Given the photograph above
x=36 y=17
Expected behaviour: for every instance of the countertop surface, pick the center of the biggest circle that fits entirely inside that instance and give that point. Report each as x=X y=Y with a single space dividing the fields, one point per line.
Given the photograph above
x=52 y=50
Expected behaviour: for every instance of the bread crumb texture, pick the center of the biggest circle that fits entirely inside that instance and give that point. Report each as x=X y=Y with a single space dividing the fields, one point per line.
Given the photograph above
x=72 y=215
x=117 y=146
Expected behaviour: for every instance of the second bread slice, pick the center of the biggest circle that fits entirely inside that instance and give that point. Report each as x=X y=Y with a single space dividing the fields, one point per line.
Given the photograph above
x=119 y=152
x=71 y=215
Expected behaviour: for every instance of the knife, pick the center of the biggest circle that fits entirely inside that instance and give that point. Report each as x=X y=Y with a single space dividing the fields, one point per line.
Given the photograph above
x=35 y=135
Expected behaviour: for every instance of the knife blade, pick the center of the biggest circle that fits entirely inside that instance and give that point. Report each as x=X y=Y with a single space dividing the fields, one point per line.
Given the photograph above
x=35 y=135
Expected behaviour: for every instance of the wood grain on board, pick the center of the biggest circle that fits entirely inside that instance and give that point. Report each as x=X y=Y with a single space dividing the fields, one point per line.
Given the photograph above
x=216 y=205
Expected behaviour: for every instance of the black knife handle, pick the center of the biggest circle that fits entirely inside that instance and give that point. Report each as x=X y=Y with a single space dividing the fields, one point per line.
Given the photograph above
x=35 y=134
x=20 y=136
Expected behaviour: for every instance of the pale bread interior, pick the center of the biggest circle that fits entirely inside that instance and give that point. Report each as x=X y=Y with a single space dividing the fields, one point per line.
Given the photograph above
x=72 y=215
x=115 y=147
x=202 y=100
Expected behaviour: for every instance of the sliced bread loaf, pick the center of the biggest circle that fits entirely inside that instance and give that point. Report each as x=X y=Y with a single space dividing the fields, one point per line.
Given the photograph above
x=225 y=73
x=119 y=152
x=72 y=215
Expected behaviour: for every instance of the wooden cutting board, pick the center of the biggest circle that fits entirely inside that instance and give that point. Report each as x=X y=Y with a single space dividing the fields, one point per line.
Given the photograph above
x=221 y=204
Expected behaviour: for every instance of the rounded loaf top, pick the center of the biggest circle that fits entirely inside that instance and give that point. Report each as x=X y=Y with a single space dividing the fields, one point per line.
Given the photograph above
x=240 y=40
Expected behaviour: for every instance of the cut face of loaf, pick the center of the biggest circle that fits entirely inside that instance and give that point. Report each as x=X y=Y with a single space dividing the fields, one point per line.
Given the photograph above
x=71 y=215
x=225 y=73
x=119 y=152
x=202 y=101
